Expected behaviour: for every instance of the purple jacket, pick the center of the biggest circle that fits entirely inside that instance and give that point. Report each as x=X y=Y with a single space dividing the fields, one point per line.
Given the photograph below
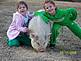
x=16 y=26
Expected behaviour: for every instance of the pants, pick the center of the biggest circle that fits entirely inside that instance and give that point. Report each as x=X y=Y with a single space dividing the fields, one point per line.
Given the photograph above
x=22 y=39
x=55 y=32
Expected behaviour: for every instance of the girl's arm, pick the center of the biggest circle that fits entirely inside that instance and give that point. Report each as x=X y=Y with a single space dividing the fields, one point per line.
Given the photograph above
x=42 y=15
x=72 y=12
x=19 y=23
x=69 y=13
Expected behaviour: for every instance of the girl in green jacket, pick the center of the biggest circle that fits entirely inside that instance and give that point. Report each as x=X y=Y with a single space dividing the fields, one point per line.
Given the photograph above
x=59 y=17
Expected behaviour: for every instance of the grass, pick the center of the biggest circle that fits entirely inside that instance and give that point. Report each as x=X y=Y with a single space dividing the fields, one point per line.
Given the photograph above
x=71 y=42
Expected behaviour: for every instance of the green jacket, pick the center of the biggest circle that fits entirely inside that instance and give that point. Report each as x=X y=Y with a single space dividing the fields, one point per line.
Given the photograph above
x=63 y=17
x=60 y=13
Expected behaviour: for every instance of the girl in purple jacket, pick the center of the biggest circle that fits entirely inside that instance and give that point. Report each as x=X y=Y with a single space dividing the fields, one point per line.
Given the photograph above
x=18 y=30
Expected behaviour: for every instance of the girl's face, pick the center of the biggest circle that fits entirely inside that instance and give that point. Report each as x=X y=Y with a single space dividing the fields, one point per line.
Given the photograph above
x=22 y=9
x=50 y=8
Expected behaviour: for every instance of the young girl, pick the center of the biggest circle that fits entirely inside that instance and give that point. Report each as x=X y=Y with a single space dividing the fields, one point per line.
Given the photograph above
x=59 y=17
x=18 y=30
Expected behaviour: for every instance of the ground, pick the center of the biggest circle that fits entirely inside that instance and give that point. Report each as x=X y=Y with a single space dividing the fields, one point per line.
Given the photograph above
x=68 y=47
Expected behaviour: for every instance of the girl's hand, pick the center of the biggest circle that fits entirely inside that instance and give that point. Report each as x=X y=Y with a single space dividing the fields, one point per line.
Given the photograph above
x=28 y=30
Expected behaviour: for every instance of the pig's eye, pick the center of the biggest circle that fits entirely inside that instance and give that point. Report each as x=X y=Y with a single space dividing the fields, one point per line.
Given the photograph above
x=37 y=37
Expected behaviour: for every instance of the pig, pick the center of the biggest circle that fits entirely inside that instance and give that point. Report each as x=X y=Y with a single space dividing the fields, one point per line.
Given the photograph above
x=40 y=33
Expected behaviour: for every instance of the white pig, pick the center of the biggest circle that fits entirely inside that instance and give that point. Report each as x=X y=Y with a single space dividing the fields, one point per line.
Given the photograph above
x=40 y=33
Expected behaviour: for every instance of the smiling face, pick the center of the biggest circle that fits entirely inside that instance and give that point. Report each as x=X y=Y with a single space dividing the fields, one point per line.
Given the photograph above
x=50 y=8
x=22 y=9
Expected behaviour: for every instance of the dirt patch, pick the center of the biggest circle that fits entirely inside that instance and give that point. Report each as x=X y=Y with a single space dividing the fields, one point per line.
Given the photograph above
x=68 y=47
